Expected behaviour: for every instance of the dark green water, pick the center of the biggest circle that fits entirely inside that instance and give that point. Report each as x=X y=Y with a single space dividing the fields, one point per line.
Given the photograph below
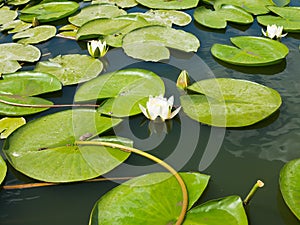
x=235 y=158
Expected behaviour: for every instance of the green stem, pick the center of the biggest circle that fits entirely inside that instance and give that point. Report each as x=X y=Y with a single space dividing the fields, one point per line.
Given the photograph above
x=155 y=159
x=258 y=184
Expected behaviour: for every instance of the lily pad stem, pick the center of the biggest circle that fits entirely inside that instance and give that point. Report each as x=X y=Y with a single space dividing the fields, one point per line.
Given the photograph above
x=155 y=159
x=257 y=185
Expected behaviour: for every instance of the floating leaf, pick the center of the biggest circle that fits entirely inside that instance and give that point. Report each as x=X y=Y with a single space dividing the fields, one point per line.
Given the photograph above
x=9 y=125
x=3 y=169
x=281 y=2
x=218 y=18
x=289 y=185
x=7 y=15
x=160 y=201
x=71 y=69
x=229 y=211
x=151 y=43
x=171 y=4
x=251 y=51
x=225 y=102
x=288 y=17
x=49 y=11
x=45 y=148
x=92 y=12
x=120 y=3
x=123 y=89
x=28 y=83
x=11 y=53
x=17 y=2
x=35 y=35
x=15 y=26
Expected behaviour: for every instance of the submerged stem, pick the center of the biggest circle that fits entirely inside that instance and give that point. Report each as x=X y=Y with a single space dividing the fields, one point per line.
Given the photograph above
x=155 y=159
x=257 y=185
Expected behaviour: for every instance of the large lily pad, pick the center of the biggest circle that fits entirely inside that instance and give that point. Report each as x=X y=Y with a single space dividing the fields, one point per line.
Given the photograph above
x=123 y=91
x=173 y=4
x=92 y=12
x=15 y=26
x=158 y=195
x=288 y=17
x=151 y=43
x=289 y=185
x=218 y=18
x=229 y=211
x=120 y=3
x=71 y=69
x=45 y=148
x=226 y=102
x=35 y=35
x=3 y=169
x=11 y=53
x=7 y=15
x=49 y=11
x=251 y=51
x=9 y=125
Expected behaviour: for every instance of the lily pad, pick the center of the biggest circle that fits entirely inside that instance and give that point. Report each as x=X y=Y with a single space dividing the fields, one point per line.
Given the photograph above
x=3 y=169
x=9 y=125
x=288 y=17
x=92 y=12
x=15 y=26
x=218 y=18
x=160 y=200
x=120 y=3
x=123 y=91
x=229 y=211
x=7 y=15
x=49 y=11
x=151 y=43
x=173 y=4
x=226 y=102
x=45 y=148
x=289 y=185
x=35 y=35
x=17 y=2
x=251 y=51
x=11 y=53
x=71 y=69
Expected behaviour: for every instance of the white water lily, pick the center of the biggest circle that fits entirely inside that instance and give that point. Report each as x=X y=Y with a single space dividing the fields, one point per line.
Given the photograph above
x=159 y=107
x=274 y=31
x=97 y=48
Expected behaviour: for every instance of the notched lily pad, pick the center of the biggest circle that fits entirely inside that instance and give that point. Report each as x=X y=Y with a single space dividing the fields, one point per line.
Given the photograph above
x=46 y=149
x=251 y=51
x=225 y=102
x=15 y=26
x=9 y=125
x=171 y=4
x=7 y=15
x=3 y=169
x=71 y=69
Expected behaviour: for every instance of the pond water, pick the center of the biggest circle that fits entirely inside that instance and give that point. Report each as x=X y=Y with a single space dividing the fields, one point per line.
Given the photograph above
x=235 y=158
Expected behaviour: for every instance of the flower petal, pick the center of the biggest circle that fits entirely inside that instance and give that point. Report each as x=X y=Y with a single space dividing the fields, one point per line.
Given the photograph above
x=144 y=111
x=175 y=112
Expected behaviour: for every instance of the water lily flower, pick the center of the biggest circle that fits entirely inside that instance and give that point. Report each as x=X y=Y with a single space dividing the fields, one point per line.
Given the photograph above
x=274 y=31
x=97 y=48
x=159 y=107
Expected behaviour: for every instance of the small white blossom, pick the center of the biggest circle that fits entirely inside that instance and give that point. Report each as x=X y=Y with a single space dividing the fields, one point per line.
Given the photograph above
x=274 y=31
x=97 y=48
x=159 y=107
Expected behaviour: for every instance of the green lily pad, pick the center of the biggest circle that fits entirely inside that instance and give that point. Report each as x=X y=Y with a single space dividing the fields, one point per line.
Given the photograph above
x=281 y=2
x=226 y=102
x=11 y=53
x=28 y=83
x=151 y=43
x=49 y=11
x=45 y=148
x=229 y=211
x=288 y=17
x=251 y=51
x=172 y=4
x=120 y=3
x=113 y=29
x=15 y=26
x=92 y=12
x=123 y=91
x=3 y=169
x=68 y=31
x=71 y=69
x=157 y=194
x=17 y=2
x=218 y=18
x=35 y=35
x=289 y=185
x=9 y=125
x=7 y=15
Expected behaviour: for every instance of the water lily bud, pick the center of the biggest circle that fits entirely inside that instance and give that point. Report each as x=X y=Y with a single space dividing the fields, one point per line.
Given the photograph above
x=35 y=22
x=97 y=48
x=183 y=80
